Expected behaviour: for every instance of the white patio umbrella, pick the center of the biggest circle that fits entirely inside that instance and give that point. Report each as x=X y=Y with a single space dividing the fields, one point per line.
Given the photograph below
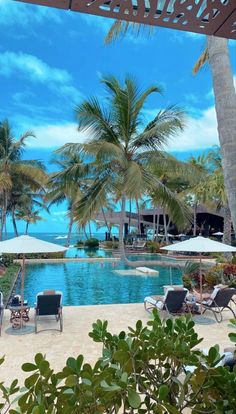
x=24 y=245
x=218 y=233
x=200 y=245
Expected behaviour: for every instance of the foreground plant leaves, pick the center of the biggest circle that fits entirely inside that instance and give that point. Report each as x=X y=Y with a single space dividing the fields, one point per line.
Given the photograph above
x=142 y=371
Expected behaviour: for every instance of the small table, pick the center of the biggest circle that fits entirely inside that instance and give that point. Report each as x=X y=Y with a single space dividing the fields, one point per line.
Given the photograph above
x=16 y=315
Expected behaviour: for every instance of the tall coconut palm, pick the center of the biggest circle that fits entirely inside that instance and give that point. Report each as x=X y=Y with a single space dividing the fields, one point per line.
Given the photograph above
x=13 y=169
x=67 y=184
x=216 y=190
x=217 y=54
x=26 y=211
x=121 y=149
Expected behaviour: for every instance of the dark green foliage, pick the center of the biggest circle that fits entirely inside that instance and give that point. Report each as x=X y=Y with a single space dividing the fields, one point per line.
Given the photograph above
x=109 y=244
x=153 y=246
x=7 y=260
x=79 y=243
x=7 y=280
x=140 y=372
x=92 y=243
x=56 y=255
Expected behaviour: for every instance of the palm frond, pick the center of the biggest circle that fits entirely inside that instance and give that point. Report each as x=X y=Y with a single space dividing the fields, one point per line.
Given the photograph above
x=202 y=60
x=120 y=28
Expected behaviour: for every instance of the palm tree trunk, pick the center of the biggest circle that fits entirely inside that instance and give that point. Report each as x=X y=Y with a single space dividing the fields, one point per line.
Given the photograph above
x=121 y=229
x=130 y=211
x=70 y=228
x=14 y=221
x=225 y=103
x=154 y=224
x=4 y=214
x=195 y=220
x=157 y=226
x=165 y=227
x=137 y=207
x=90 y=232
x=227 y=225
x=27 y=227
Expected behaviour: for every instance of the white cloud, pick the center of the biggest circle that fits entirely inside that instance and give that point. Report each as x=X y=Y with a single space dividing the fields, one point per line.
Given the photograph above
x=34 y=69
x=55 y=135
x=60 y=213
x=31 y=67
x=15 y=13
x=199 y=133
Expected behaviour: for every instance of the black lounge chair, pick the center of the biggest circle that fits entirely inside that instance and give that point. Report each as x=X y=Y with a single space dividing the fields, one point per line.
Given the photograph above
x=219 y=303
x=1 y=311
x=172 y=301
x=48 y=304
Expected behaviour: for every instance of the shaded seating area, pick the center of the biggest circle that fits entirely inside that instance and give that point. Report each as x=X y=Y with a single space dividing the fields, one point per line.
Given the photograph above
x=173 y=301
x=1 y=311
x=48 y=304
x=220 y=299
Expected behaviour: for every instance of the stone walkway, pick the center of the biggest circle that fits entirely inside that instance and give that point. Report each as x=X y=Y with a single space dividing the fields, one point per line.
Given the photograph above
x=75 y=340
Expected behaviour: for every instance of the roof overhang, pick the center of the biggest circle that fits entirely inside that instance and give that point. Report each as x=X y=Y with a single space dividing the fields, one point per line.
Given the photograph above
x=209 y=17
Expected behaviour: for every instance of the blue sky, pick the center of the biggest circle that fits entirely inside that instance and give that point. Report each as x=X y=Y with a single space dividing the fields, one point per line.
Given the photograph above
x=52 y=59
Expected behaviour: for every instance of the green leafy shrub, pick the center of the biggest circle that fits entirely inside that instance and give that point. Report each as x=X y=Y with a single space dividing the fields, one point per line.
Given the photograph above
x=189 y=272
x=109 y=244
x=56 y=255
x=153 y=246
x=92 y=243
x=187 y=282
x=7 y=280
x=140 y=372
x=7 y=260
x=79 y=243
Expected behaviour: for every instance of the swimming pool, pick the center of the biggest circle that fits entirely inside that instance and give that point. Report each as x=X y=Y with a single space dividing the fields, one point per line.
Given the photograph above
x=93 y=283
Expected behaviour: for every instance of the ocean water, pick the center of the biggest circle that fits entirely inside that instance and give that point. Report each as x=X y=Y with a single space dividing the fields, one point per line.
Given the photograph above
x=59 y=238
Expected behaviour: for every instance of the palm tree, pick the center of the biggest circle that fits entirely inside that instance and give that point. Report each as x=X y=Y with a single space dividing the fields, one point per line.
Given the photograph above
x=217 y=54
x=67 y=184
x=225 y=103
x=15 y=172
x=121 y=149
x=29 y=215
x=217 y=192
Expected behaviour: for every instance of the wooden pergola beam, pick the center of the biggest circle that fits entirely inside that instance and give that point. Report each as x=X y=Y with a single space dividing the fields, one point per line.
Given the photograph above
x=209 y=17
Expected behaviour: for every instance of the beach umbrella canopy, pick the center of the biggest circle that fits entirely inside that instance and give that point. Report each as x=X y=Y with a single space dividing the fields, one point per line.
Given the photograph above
x=24 y=245
x=200 y=245
x=218 y=233
x=28 y=244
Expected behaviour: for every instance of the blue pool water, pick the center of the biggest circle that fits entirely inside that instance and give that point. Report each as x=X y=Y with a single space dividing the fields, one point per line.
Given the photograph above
x=93 y=283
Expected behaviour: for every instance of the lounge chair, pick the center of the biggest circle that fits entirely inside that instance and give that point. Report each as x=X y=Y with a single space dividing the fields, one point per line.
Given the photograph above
x=1 y=311
x=172 y=301
x=219 y=302
x=138 y=244
x=48 y=304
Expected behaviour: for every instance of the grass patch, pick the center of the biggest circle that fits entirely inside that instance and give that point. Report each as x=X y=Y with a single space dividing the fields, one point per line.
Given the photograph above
x=7 y=280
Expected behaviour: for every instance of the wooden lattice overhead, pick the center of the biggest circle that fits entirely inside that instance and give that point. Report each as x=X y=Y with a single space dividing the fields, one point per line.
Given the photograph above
x=211 y=17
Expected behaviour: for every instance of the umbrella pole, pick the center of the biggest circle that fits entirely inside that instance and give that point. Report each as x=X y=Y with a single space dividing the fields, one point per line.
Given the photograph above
x=171 y=281
x=22 y=290
x=200 y=274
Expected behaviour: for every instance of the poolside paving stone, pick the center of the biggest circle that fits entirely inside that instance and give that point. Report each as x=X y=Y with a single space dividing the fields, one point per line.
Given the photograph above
x=74 y=339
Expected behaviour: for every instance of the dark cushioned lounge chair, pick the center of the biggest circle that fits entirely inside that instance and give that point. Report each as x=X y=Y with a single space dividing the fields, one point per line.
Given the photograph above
x=48 y=304
x=221 y=301
x=172 y=301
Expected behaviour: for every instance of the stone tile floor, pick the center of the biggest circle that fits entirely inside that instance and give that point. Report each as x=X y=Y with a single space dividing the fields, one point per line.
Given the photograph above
x=74 y=339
